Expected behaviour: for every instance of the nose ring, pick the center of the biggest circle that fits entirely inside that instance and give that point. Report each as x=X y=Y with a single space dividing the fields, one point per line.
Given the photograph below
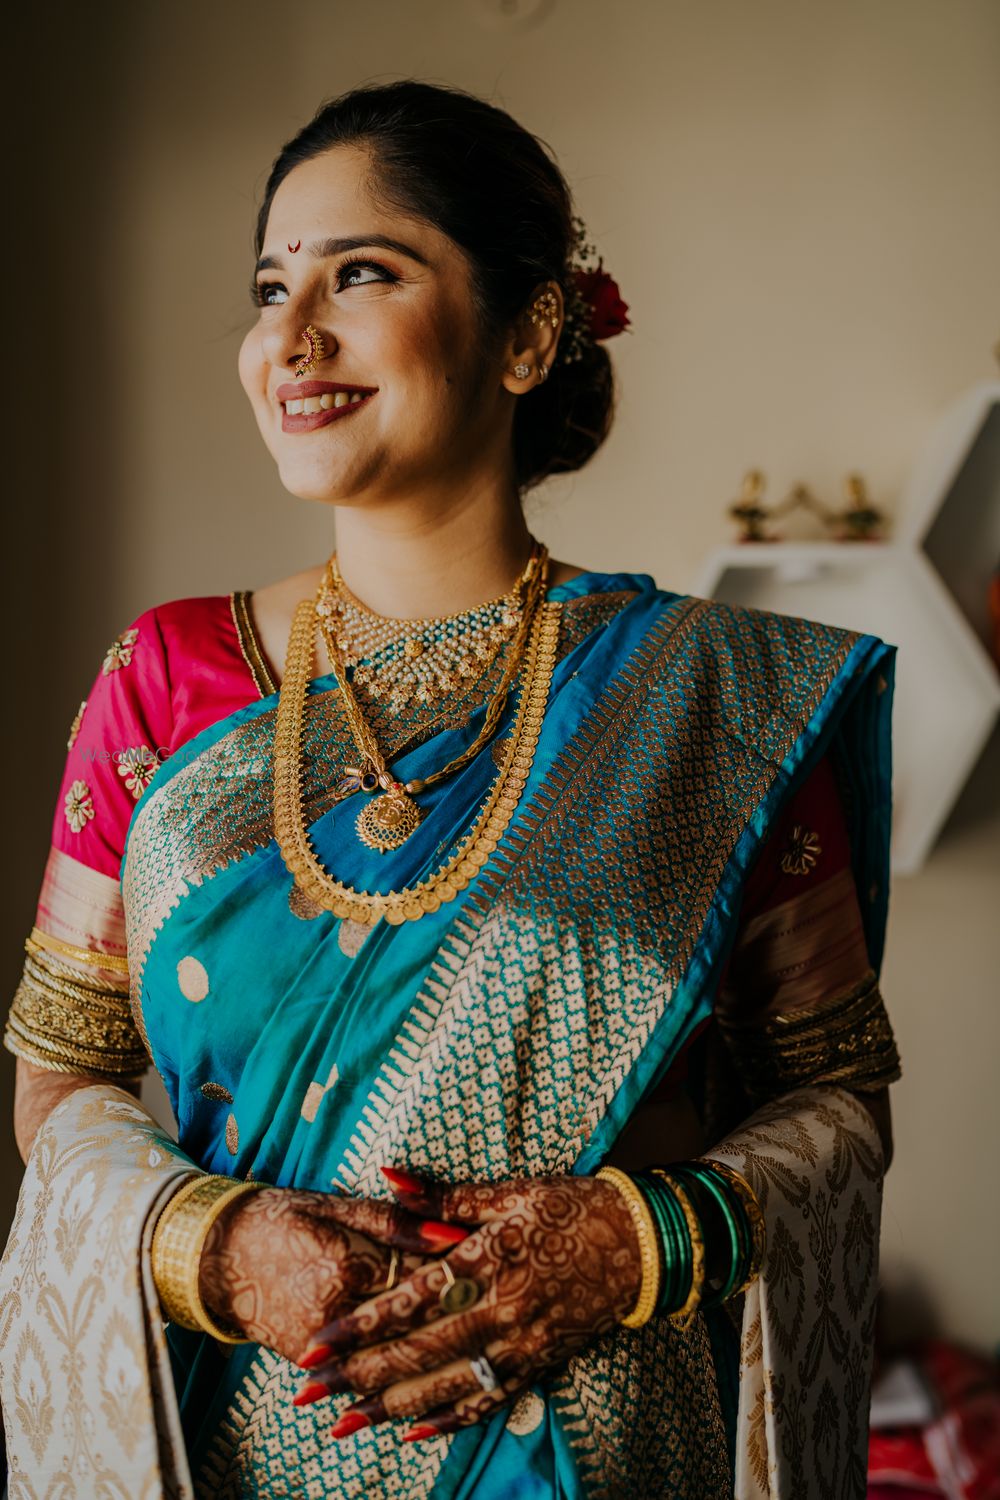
x=315 y=350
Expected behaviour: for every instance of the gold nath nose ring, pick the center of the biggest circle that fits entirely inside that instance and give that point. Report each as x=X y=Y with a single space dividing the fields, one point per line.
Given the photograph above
x=315 y=350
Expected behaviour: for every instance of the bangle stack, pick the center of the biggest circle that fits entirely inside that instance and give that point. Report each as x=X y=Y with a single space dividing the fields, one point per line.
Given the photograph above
x=666 y=1206
x=178 y=1241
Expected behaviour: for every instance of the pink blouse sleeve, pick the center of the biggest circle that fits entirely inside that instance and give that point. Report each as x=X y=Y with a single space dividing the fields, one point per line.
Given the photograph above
x=122 y=731
x=71 y=1011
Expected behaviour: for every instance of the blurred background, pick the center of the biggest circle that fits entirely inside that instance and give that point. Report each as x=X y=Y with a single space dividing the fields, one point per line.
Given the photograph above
x=800 y=202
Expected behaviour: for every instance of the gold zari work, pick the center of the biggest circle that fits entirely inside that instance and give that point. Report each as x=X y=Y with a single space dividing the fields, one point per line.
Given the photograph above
x=63 y=1021
x=847 y=1040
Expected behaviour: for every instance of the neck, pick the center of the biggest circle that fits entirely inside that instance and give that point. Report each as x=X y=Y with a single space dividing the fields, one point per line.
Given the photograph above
x=417 y=564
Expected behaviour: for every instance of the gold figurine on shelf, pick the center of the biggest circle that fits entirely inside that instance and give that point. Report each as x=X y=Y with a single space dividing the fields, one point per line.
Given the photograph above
x=859 y=522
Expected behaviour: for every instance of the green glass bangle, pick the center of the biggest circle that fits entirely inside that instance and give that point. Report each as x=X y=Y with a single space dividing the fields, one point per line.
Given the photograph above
x=684 y=1316
x=666 y=1214
x=733 y=1220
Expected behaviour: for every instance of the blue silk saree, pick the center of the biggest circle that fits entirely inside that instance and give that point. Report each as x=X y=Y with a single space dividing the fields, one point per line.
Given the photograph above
x=514 y=1031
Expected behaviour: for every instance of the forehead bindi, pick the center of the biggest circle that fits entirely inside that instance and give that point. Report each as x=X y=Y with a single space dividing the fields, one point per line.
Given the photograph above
x=326 y=205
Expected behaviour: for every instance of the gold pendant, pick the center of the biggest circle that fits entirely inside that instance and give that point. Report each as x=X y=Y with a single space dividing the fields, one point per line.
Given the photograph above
x=385 y=823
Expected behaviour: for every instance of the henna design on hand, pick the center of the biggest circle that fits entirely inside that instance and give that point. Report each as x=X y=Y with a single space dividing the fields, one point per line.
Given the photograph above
x=279 y=1263
x=558 y=1264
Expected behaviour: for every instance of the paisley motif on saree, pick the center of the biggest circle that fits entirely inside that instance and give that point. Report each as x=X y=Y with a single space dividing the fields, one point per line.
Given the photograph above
x=514 y=1032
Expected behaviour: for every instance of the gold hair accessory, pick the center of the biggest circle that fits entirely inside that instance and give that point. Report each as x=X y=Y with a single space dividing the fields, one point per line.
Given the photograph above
x=545 y=309
x=315 y=350
x=178 y=1241
x=458 y=1292
x=521 y=370
x=649 y=1246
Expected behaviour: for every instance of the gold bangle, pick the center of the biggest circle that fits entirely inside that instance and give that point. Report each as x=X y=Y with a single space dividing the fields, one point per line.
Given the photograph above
x=754 y=1214
x=683 y=1317
x=178 y=1241
x=115 y=963
x=649 y=1246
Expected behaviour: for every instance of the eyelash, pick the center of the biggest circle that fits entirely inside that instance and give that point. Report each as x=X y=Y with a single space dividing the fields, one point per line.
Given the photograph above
x=260 y=289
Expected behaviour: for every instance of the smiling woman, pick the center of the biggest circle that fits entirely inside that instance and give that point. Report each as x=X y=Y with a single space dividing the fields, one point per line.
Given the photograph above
x=468 y=903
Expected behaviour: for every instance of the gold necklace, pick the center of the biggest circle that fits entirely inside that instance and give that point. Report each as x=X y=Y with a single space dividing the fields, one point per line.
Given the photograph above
x=387 y=821
x=411 y=903
x=402 y=661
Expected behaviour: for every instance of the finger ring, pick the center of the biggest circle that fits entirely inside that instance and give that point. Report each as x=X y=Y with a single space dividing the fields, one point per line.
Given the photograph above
x=390 y=1280
x=485 y=1373
x=458 y=1292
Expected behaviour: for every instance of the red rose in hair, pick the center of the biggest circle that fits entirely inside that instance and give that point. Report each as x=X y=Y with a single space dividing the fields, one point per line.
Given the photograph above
x=608 y=313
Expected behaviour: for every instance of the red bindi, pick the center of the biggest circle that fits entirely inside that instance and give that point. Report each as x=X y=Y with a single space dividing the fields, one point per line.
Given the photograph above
x=296 y=246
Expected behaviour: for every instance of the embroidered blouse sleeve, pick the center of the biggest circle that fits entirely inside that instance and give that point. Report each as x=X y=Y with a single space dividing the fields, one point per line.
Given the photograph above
x=799 y=1003
x=71 y=1011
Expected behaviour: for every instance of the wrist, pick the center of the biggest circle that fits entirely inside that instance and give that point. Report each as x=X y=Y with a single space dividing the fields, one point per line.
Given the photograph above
x=179 y=1240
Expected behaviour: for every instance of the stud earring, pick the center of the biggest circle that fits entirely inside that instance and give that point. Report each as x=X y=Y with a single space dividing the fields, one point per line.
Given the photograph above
x=522 y=371
x=315 y=350
x=545 y=309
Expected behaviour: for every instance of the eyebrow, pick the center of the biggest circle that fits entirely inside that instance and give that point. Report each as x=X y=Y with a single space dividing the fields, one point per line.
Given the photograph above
x=323 y=249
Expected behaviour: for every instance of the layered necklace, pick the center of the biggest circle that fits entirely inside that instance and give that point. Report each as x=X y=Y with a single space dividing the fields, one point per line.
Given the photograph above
x=399 y=661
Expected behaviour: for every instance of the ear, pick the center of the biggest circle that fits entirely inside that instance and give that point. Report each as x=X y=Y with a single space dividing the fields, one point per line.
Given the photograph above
x=534 y=339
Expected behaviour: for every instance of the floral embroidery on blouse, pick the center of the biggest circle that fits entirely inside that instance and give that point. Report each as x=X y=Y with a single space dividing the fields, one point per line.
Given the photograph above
x=74 y=728
x=803 y=852
x=119 y=653
x=138 y=766
x=79 y=806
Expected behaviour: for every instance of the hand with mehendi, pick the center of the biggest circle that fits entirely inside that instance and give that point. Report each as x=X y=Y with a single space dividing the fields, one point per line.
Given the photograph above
x=279 y=1263
x=556 y=1261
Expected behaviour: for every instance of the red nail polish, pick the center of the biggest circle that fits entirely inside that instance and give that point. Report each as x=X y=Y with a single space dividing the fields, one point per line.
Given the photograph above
x=437 y=1233
x=416 y=1434
x=314 y=1391
x=404 y=1182
x=317 y=1355
x=351 y=1421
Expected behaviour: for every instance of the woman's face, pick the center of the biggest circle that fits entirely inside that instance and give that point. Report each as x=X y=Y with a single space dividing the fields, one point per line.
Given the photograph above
x=391 y=297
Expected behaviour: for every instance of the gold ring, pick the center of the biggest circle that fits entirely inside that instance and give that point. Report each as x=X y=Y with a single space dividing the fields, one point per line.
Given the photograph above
x=458 y=1292
x=393 y=1276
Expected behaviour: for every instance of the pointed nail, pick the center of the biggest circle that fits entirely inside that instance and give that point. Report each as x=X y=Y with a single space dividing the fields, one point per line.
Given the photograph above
x=315 y=1390
x=351 y=1421
x=417 y=1434
x=403 y=1182
x=317 y=1355
x=434 y=1232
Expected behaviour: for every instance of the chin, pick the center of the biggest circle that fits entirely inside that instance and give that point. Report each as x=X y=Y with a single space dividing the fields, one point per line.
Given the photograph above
x=309 y=482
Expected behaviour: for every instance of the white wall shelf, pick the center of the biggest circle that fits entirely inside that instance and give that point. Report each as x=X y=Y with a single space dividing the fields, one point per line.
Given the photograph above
x=925 y=593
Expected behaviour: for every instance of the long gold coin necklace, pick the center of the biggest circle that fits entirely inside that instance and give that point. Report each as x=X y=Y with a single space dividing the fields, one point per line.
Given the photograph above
x=465 y=644
x=532 y=654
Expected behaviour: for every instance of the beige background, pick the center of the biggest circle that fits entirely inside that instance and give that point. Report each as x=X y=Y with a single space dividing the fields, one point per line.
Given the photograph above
x=800 y=202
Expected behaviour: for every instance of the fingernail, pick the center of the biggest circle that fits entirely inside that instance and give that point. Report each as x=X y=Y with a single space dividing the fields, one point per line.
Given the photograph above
x=437 y=1233
x=317 y=1355
x=351 y=1421
x=416 y=1434
x=403 y=1182
x=315 y=1390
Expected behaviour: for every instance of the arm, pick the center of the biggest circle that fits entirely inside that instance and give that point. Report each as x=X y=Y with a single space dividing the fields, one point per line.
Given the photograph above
x=36 y=1094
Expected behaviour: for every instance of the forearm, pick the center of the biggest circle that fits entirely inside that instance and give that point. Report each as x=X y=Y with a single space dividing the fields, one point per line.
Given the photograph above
x=37 y=1091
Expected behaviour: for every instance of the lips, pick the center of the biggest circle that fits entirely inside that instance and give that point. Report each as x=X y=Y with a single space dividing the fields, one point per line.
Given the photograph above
x=338 y=400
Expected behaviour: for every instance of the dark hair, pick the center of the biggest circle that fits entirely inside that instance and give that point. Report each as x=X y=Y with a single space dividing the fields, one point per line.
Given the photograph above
x=473 y=172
